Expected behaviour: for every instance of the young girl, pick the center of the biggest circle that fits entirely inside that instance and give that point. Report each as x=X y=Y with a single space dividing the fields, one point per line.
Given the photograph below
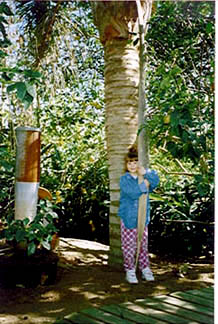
x=130 y=191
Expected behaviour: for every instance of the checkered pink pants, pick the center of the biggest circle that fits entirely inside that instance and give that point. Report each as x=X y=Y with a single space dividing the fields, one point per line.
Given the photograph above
x=129 y=248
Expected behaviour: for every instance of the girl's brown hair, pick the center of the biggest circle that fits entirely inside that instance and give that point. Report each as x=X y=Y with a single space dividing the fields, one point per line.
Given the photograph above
x=132 y=155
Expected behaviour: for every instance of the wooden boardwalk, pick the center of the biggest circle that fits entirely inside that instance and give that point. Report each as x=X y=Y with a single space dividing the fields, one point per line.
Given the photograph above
x=189 y=307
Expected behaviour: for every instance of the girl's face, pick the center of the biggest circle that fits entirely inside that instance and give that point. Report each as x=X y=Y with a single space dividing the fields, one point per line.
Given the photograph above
x=132 y=166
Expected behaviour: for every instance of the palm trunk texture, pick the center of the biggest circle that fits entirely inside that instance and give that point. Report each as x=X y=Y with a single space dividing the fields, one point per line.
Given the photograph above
x=121 y=102
x=117 y=22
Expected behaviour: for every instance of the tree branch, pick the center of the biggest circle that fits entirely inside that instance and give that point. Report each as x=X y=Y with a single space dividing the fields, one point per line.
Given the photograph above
x=181 y=166
x=177 y=173
x=187 y=221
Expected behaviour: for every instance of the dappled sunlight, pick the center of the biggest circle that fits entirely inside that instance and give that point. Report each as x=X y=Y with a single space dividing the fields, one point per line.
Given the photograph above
x=84 y=244
x=76 y=252
x=159 y=288
x=136 y=308
x=90 y=295
x=56 y=311
x=50 y=296
x=84 y=281
x=7 y=318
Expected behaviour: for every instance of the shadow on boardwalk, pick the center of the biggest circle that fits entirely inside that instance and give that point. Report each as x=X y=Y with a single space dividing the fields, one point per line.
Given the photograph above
x=191 y=306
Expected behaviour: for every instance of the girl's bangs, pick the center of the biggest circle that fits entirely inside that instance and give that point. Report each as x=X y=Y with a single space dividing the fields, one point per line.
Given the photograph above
x=131 y=159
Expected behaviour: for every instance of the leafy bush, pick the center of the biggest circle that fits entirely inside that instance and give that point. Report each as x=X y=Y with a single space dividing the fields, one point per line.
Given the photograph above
x=84 y=211
x=182 y=222
x=29 y=236
x=180 y=117
x=70 y=112
x=7 y=167
x=73 y=157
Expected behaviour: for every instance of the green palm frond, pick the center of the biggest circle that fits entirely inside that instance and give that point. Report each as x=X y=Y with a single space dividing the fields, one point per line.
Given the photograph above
x=38 y=19
x=32 y=12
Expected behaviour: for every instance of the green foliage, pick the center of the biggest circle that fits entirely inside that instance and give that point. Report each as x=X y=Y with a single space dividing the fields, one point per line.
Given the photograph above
x=73 y=164
x=25 y=90
x=71 y=116
x=70 y=113
x=32 y=235
x=7 y=166
x=4 y=41
x=21 y=80
x=15 y=78
x=73 y=153
x=180 y=82
x=182 y=221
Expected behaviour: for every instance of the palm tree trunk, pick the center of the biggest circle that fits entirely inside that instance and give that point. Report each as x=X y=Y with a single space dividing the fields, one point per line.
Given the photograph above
x=117 y=28
x=121 y=103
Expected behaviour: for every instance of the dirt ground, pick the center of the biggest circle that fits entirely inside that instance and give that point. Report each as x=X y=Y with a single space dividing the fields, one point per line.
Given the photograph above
x=84 y=280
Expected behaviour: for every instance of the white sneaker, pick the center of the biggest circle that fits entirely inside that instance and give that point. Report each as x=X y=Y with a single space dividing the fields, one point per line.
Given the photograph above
x=131 y=277
x=147 y=274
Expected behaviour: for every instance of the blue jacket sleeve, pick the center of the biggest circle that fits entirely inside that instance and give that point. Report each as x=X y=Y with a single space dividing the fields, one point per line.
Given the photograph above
x=133 y=190
x=152 y=178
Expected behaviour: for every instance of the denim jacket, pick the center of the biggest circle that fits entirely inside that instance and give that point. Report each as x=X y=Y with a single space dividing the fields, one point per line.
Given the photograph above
x=130 y=191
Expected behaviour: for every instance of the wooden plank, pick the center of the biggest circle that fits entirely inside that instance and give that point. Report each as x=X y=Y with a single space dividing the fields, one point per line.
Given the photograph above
x=157 y=314
x=176 y=310
x=200 y=293
x=78 y=318
x=208 y=290
x=124 y=313
x=194 y=299
x=104 y=316
x=187 y=305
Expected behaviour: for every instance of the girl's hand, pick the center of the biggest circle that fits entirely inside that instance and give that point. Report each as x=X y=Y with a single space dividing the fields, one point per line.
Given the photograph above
x=141 y=170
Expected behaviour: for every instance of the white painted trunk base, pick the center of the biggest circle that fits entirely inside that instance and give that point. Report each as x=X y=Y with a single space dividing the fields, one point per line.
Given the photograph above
x=26 y=198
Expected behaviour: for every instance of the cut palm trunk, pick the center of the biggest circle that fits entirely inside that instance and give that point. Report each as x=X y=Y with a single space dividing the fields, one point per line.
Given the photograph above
x=141 y=222
x=143 y=155
x=27 y=172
